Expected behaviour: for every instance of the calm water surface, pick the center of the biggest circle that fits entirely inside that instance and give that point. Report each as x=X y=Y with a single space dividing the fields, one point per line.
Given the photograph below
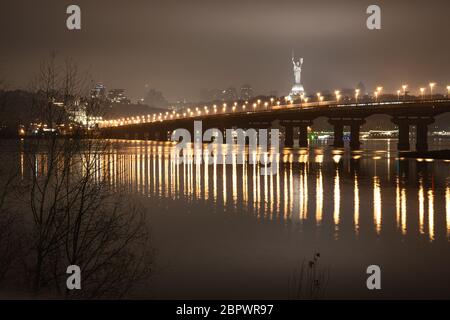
x=226 y=231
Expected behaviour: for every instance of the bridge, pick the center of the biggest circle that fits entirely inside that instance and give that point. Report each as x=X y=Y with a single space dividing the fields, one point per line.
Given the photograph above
x=293 y=117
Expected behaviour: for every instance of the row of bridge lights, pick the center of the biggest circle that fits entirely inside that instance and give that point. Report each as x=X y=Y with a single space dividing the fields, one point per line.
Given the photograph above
x=198 y=111
x=422 y=90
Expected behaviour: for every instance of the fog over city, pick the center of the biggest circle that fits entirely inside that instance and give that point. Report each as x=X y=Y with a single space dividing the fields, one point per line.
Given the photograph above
x=183 y=47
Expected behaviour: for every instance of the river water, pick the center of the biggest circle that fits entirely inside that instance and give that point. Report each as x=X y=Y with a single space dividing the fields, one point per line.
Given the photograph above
x=226 y=231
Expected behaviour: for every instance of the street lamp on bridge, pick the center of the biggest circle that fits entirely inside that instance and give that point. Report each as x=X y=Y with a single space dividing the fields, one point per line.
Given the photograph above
x=404 y=87
x=432 y=85
x=422 y=91
x=356 y=95
x=448 y=92
x=337 y=93
x=379 y=89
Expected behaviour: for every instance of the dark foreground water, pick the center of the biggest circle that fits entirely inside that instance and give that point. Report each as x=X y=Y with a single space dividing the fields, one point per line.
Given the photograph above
x=230 y=232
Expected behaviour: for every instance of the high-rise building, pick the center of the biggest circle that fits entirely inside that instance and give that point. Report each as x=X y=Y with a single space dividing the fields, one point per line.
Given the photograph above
x=229 y=94
x=246 y=92
x=99 y=91
x=118 y=96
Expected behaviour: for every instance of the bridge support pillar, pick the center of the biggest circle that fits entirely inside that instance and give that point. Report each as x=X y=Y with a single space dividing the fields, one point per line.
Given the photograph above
x=288 y=136
x=403 y=136
x=355 y=127
x=422 y=136
x=303 y=136
x=338 y=141
x=355 y=144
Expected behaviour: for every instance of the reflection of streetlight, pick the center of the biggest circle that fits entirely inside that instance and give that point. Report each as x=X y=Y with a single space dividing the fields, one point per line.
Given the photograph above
x=318 y=96
x=432 y=84
x=321 y=99
x=422 y=91
x=337 y=94
x=379 y=89
x=356 y=95
x=448 y=92
x=376 y=96
x=398 y=95
x=404 y=87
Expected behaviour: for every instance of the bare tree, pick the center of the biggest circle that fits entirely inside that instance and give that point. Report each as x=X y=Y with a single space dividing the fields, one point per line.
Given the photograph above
x=76 y=217
x=8 y=221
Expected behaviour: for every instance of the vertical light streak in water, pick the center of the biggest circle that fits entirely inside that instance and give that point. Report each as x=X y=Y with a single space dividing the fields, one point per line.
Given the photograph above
x=224 y=180
x=272 y=190
x=139 y=166
x=166 y=175
x=319 y=189
x=154 y=170
x=286 y=194
x=301 y=194
x=319 y=196
x=265 y=184
x=254 y=181
x=148 y=165
x=184 y=175
x=234 y=179
x=198 y=175
x=356 y=204
x=403 y=210
x=377 y=204
x=278 y=201
x=421 y=207
x=337 y=199
x=447 y=209
x=215 y=177
x=431 y=214
x=244 y=180
x=389 y=159
x=291 y=186
x=135 y=169
x=22 y=165
x=130 y=170
x=206 y=177
x=258 y=183
x=115 y=173
x=397 y=202
x=305 y=191
x=159 y=174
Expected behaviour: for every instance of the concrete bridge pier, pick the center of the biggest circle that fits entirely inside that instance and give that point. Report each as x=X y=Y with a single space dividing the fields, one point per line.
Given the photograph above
x=288 y=135
x=422 y=134
x=338 y=128
x=403 y=135
x=290 y=127
x=421 y=124
x=355 y=128
x=303 y=135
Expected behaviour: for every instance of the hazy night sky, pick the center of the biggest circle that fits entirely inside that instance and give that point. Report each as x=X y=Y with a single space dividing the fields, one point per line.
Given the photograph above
x=180 y=47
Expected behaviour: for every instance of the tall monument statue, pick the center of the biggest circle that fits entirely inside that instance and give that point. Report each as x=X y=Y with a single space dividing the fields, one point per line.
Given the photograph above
x=297 y=70
x=297 y=89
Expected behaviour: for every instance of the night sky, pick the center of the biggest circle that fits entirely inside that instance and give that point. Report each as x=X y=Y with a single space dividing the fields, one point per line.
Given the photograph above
x=180 y=47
